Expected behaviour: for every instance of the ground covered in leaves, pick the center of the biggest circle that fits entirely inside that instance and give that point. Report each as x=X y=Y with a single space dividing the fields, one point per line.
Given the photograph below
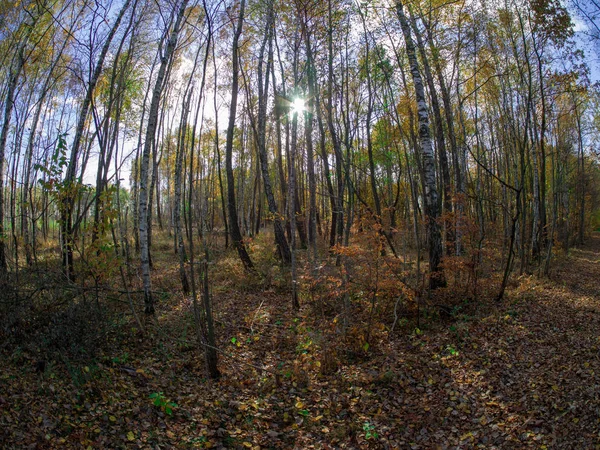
x=524 y=373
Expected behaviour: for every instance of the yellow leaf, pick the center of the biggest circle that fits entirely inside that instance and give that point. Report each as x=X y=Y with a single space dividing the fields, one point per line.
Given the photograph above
x=468 y=435
x=87 y=369
x=247 y=444
x=130 y=436
x=555 y=388
x=112 y=418
x=299 y=405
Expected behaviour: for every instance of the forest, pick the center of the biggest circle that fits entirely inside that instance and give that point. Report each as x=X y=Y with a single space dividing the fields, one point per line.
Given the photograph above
x=308 y=224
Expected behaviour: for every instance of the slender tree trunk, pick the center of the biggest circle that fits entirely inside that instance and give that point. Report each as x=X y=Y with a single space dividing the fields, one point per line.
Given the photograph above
x=454 y=148
x=434 y=238
x=582 y=183
x=441 y=142
x=218 y=152
x=337 y=224
x=148 y=143
x=308 y=132
x=178 y=197
x=542 y=160
x=263 y=95
x=234 y=226
x=9 y=102
x=292 y=194
x=68 y=202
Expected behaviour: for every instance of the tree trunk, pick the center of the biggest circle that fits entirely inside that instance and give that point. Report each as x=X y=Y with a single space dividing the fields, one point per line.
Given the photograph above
x=218 y=152
x=434 y=237
x=263 y=95
x=234 y=226
x=308 y=131
x=441 y=142
x=68 y=203
x=148 y=144
x=8 y=107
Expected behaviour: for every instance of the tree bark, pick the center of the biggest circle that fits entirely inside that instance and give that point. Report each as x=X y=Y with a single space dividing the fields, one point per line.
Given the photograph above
x=68 y=202
x=441 y=142
x=263 y=94
x=434 y=238
x=234 y=226
x=148 y=144
x=8 y=107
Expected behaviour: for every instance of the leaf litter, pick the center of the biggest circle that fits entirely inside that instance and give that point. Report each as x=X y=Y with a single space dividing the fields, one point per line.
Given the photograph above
x=520 y=374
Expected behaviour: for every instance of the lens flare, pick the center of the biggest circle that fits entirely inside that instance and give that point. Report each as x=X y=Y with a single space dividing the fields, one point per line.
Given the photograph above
x=298 y=106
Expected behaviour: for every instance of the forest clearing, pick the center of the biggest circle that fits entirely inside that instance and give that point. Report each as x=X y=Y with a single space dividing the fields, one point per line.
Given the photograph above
x=324 y=224
x=523 y=373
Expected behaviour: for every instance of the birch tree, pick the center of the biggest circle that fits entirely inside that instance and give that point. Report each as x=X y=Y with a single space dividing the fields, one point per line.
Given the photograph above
x=166 y=56
x=432 y=213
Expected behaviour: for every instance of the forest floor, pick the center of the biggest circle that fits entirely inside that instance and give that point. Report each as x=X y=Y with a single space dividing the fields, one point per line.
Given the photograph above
x=523 y=373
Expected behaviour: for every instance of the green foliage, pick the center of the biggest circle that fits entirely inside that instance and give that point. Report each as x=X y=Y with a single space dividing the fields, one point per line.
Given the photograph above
x=102 y=259
x=370 y=432
x=451 y=350
x=53 y=172
x=60 y=190
x=120 y=359
x=552 y=20
x=304 y=346
x=161 y=401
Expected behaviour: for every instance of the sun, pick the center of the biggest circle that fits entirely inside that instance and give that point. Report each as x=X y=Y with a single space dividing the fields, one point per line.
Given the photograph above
x=298 y=106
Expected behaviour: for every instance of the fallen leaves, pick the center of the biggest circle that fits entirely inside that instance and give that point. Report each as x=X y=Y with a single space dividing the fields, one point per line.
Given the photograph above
x=519 y=375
